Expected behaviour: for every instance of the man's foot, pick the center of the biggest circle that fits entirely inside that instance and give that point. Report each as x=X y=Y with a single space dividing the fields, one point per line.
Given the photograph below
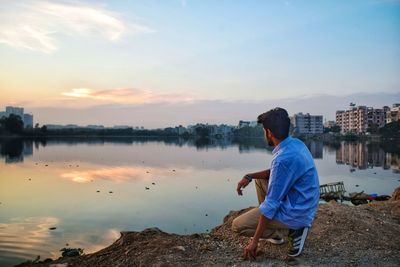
x=297 y=238
x=274 y=240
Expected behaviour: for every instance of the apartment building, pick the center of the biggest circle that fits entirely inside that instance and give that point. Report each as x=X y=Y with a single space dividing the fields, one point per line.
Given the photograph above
x=393 y=114
x=307 y=124
x=359 y=119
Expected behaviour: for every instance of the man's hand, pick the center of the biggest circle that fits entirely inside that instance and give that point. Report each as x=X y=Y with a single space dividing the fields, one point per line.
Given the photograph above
x=242 y=184
x=250 y=251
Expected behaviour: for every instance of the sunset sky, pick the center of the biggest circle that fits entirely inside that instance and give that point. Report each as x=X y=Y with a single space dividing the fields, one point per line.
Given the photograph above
x=169 y=62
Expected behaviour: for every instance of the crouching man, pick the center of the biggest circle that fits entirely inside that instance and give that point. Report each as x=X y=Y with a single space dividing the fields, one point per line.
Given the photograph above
x=288 y=192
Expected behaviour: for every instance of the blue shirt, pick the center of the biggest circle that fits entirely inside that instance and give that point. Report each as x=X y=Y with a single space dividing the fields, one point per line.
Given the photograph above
x=293 y=187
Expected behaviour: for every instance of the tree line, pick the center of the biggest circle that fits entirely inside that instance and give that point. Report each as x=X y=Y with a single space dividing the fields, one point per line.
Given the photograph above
x=13 y=125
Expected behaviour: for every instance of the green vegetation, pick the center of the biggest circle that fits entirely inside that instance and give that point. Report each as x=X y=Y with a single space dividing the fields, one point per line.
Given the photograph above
x=252 y=132
x=11 y=125
x=333 y=129
x=391 y=130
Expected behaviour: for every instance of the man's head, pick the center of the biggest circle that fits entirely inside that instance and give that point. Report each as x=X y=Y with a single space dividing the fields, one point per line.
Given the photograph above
x=276 y=125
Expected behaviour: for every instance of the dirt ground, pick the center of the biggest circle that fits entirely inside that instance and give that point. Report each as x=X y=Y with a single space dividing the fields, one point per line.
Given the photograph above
x=341 y=235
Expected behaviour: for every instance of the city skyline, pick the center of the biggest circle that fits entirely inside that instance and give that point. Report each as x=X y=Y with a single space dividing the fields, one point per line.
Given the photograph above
x=162 y=63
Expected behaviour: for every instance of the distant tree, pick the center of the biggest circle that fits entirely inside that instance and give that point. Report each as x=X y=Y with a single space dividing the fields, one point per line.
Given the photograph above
x=373 y=128
x=350 y=137
x=249 y=131
x=13 y=124
x=202 y=132
x=391 y=130
x=43 y=129
x=335 y=129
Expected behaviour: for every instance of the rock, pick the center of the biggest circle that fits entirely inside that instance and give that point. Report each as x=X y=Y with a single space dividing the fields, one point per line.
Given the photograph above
x=396 y=194
x=292 y=261
x=181 y=248
x=152 y=231
x=71 y=252
x=206 y=247
x=195 y=235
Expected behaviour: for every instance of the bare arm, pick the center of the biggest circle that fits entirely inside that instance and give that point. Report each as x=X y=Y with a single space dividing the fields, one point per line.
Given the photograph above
x=251 y=248
x=255 y=175
x=260 y=175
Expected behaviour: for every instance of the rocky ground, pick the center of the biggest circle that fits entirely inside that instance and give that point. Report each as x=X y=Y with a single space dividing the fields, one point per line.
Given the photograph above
x=342 y=235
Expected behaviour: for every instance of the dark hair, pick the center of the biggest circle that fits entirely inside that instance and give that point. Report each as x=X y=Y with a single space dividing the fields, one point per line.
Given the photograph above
x=277 y=121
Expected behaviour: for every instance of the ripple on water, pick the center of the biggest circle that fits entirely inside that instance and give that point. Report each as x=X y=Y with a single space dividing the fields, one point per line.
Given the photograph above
x=25 y=239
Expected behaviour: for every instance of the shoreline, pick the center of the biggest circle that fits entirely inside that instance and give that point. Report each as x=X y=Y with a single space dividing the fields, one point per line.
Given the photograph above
x=341 y=235
x=325 y=137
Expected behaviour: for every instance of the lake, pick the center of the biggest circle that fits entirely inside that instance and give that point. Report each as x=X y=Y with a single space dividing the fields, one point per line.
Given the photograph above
x=91 y=189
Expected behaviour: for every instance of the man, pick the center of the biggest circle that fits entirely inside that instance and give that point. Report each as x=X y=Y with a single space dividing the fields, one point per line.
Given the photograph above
x=288 y=193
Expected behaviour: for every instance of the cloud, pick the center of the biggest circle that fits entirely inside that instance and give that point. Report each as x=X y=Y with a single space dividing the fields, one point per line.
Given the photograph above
x=155 y=115
x=116 y=174
x=35 y=25
x=125 y=96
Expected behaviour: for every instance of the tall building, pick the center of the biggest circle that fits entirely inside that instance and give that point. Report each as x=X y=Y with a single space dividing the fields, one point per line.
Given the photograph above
x=359 y=119
x=28 y=120
x=307 y=124
x=15 y=110
x=393 y=114
x=376 y=117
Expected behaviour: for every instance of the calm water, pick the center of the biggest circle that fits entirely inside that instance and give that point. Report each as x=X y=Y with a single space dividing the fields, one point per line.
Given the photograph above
x=177 y=186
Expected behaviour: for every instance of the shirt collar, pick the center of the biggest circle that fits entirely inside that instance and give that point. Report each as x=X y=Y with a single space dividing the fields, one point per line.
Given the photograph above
x=282 y=144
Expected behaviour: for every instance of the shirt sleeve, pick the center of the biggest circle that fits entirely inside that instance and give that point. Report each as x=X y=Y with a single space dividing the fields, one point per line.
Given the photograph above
x=280 y=181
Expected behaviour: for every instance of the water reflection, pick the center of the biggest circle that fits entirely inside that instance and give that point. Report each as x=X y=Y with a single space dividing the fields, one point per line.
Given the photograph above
x=14 y=150
x=91 y=189
x=315 y=148
x=117 y=174
x=366 y=155
x=361 y=155
x=26 y=238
